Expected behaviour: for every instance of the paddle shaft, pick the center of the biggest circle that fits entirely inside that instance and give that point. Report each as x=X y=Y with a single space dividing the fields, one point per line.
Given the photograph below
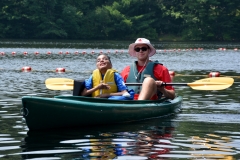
x=165 y=84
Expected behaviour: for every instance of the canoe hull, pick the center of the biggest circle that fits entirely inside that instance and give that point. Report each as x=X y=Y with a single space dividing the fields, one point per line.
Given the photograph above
x=73 y=111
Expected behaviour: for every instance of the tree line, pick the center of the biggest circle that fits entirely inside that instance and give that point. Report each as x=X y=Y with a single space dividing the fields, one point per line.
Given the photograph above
x=202 y=20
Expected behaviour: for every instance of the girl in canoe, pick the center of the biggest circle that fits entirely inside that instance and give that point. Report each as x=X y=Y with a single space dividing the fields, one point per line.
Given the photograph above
x=105 y=82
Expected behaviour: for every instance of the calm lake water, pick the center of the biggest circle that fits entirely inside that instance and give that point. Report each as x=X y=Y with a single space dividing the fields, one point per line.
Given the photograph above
x=208 y=127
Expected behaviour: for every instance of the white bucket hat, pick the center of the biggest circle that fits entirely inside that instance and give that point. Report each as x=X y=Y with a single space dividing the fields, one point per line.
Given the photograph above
x=132 y=52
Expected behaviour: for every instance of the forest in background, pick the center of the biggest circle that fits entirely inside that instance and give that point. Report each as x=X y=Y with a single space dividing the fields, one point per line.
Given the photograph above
x=189 y=20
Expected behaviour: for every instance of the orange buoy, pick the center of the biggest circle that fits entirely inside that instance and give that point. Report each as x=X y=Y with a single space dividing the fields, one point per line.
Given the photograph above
x=60 y=52
x=214 y=74
x=60 y=70
x=26 y=69
x=83 y=52
x=93 y=52
x=48 y=52
x=222 y=49
x=76 y=52
x=25 y=53
x=36 y=53
x=13 y=53
x=67 y=52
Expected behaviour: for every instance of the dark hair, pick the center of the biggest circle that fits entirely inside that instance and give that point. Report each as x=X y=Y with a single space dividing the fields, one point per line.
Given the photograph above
x=107 y=57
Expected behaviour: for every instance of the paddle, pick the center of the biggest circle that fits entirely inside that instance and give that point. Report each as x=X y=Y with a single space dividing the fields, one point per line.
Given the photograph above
x=217 y=83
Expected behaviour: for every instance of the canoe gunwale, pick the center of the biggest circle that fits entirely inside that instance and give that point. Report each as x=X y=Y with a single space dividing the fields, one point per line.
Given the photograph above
x=61 y=112
x=105 y=100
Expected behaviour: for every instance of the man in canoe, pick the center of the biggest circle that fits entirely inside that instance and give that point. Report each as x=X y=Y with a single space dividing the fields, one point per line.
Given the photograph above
x=105 y=82
x=150 y=74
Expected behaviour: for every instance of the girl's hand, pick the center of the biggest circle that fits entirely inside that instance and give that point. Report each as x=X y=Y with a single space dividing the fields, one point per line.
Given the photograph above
x=103 y=86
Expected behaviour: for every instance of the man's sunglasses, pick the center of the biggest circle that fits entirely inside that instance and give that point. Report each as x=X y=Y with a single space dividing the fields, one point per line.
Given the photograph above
x=138 y=49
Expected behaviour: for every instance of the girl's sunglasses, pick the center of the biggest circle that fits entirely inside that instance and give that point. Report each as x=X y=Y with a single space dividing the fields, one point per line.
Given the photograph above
x=138 y=49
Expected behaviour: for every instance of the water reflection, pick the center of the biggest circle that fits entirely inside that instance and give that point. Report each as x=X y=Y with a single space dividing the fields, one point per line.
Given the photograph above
x=137 y=139
x=161 y=139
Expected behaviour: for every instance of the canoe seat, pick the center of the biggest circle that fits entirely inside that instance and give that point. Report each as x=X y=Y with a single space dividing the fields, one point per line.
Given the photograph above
x=78 y=87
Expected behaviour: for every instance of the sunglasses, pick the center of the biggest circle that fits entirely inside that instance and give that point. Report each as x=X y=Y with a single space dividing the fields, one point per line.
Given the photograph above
x=138 y=49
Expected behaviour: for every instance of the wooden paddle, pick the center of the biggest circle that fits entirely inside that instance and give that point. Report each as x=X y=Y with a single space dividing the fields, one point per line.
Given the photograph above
x=216 y=83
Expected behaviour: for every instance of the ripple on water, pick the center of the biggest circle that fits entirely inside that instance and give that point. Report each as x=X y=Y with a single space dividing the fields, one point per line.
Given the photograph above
x=216 y=118
x=6 y=139
x=9 y=148
x=196 y=154
x=2 y=102
x=60 y=151
x=9 y=142
x=76 y=141
x=9 y=106
x=231 y=133
x=11 y=116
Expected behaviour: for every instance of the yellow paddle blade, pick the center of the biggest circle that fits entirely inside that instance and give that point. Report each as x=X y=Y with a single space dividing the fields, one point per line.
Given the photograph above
x=59 y=83
x=216 y=83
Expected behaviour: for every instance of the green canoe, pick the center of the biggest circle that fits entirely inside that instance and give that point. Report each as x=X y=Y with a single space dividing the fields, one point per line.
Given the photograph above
x=73 y=111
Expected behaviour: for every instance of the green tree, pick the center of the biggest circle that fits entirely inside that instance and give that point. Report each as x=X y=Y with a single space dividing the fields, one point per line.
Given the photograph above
x=120 y=19
x=210 y=19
